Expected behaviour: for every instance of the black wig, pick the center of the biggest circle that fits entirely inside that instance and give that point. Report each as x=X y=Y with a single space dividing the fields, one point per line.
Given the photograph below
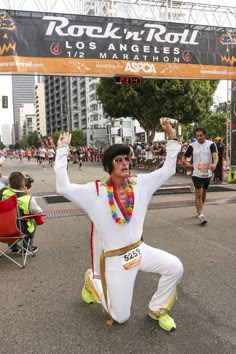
x=111 y=152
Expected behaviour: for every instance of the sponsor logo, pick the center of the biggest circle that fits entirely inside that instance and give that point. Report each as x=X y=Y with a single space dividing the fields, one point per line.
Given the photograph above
x=55 y=48
x=149 y=32
x=140 y=66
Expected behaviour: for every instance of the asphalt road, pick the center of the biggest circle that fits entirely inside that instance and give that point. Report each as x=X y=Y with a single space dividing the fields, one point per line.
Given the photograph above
x=41 y=307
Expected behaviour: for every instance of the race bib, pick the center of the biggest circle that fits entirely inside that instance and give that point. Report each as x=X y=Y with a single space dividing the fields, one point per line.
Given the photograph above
x=131 y=258
x=204 y=172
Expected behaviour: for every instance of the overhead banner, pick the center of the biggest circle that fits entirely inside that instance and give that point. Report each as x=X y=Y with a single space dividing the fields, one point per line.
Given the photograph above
x=63 y=44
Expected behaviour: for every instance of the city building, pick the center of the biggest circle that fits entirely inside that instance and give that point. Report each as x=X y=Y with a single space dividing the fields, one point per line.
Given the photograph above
x=6 y=135
x=27 y=121
x=57 y=104
x=71 y=104
x=23 y=92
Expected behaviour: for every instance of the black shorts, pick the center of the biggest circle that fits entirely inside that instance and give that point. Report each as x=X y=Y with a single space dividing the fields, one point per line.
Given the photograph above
x=201 y=182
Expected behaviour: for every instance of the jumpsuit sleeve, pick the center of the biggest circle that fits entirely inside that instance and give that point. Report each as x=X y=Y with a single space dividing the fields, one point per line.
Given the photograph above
x=80 y=194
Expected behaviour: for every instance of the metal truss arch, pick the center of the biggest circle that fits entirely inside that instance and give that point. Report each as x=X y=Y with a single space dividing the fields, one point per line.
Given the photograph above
x=189 y=12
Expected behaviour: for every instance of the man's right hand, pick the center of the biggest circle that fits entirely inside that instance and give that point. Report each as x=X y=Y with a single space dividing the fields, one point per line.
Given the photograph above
x=166 y=125
x=64 y=139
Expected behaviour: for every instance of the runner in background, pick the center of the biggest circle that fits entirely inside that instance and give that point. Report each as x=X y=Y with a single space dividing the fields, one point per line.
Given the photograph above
x=204 y=158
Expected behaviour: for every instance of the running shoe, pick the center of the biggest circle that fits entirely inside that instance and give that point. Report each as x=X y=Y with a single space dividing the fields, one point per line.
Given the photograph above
x=34 y=249
x=87 y=296
x=89 y=293
x=202 y=219
x=165 y=321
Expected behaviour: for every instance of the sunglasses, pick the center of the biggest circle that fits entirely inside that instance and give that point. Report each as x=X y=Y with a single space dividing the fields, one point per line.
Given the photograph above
x=120 y=159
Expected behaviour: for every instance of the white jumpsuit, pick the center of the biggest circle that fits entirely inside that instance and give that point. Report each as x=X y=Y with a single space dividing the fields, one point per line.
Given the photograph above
x=108 y=235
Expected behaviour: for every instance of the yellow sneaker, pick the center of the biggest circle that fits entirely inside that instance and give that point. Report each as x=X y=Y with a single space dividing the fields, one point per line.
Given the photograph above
x=89 y=294
x=165 y=321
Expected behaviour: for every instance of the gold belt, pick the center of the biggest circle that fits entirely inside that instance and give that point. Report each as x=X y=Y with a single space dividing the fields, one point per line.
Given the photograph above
x=112 y=253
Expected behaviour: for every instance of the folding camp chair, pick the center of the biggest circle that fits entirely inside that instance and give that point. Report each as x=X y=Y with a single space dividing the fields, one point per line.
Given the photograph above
x=10 y=232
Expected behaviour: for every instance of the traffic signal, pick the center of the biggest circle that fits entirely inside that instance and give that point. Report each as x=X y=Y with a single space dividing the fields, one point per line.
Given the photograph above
x=120 y=132
x=4 y=101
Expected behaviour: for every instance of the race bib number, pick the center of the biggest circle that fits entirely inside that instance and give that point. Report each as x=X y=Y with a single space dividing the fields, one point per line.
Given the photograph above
x=131 y=258
x=203 y=169
x=204 y=172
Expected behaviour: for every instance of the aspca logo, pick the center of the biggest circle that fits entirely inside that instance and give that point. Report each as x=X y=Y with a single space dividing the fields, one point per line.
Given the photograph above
x=55 y=48
x=137 y=67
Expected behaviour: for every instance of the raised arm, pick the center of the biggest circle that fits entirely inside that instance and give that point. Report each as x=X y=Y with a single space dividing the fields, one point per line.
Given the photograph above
x=155 y=179
x=64 y=140
x=79 y=194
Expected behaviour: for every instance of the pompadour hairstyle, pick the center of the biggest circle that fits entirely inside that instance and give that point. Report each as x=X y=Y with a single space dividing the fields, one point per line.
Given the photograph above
x=111 y=152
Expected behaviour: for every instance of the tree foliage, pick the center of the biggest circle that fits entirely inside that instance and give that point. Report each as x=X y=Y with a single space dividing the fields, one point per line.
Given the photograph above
x=32 y=139
x=215 y=124
x=186 y=100
x=55 y=136
x=222 y=107
x=76 y=137
x=2 y=146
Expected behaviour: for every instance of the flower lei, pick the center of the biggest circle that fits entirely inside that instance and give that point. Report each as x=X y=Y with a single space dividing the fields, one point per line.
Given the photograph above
x=130 y=201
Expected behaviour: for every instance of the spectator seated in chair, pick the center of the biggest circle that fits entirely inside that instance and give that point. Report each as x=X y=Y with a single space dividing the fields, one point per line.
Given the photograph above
x=26 y=204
